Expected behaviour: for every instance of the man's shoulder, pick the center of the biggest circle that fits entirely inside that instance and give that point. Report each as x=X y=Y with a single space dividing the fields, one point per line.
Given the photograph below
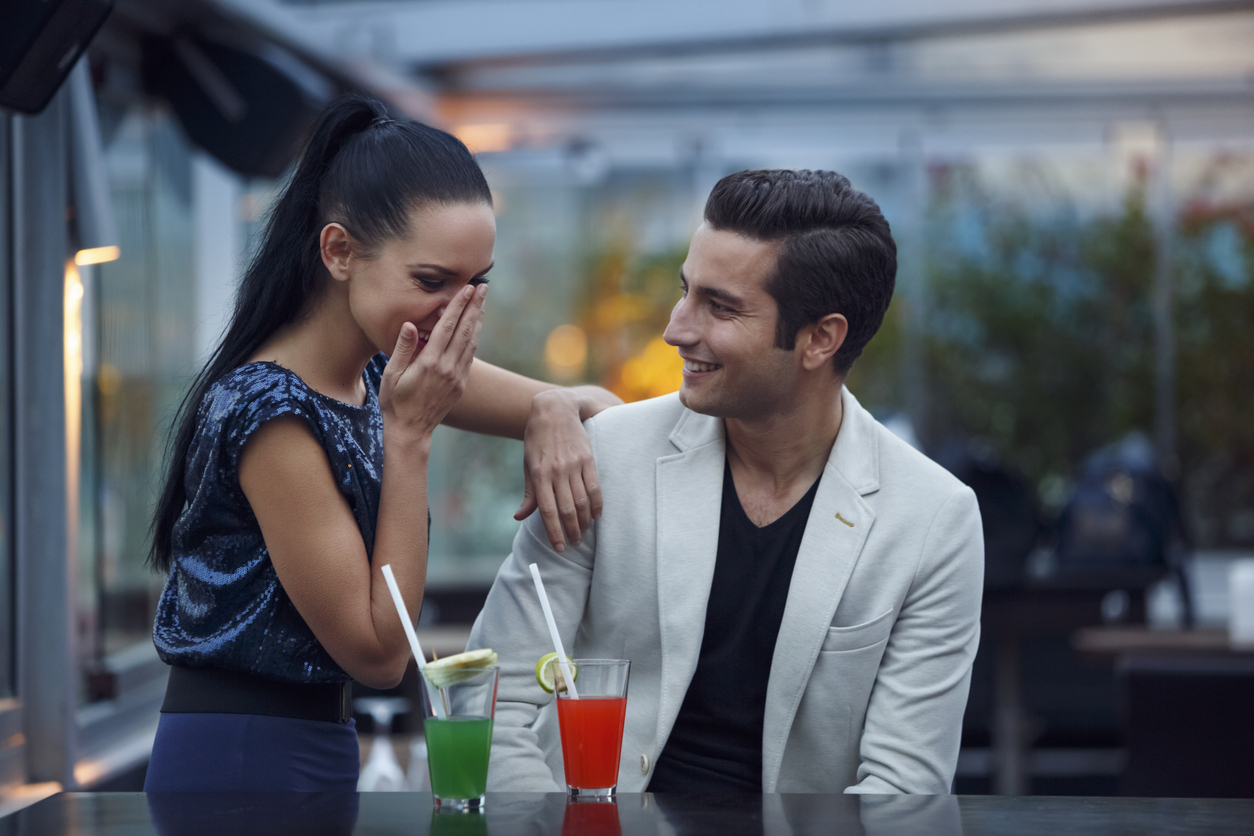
x=639 y=423
x=907 y=474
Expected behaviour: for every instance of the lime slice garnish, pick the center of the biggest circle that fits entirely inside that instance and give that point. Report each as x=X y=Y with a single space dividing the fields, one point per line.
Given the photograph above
x=549 y=673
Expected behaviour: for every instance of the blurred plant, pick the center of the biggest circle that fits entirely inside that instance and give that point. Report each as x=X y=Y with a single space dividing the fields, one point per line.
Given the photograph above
x=1215 y=389
x=625 y=307
x=1040 y=341
x=1040 y=335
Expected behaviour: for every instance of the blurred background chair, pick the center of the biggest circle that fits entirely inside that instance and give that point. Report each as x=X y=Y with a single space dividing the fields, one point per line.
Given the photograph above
x=1188 y=723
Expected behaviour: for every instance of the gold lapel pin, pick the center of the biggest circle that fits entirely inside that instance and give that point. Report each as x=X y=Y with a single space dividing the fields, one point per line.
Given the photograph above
x=842 y=519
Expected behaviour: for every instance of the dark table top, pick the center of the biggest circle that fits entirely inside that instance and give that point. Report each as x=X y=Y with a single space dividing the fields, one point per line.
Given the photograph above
x=115 y=814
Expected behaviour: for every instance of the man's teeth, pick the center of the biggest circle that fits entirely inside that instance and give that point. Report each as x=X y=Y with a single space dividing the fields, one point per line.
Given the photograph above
x=425 y=336
x=693 y=366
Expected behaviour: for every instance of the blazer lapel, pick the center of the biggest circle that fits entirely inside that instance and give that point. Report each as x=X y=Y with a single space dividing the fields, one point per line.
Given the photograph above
x=689 y=500
x=835 y=533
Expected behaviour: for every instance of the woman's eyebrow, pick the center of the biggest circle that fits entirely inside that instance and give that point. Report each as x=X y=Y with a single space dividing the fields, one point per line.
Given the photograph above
x=444 y=271
x=434 y=268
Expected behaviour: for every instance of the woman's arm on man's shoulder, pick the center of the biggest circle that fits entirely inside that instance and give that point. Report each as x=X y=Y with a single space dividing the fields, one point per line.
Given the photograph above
x=560 y=474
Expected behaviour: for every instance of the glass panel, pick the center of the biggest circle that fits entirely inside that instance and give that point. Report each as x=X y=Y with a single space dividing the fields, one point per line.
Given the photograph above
x=1040 y=331
x=1034 y=272
x=139 y=313
x=585 y=278
x=1052 y=245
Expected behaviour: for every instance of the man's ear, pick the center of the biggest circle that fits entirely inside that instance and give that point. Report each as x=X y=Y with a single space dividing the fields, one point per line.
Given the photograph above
x=820 y=342
x=335 y=246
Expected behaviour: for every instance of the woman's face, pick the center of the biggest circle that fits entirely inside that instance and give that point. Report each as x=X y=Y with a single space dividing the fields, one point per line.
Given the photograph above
x=413 y=278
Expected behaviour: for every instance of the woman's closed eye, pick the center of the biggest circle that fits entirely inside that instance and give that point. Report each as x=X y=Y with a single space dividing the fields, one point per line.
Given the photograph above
x=430 y=283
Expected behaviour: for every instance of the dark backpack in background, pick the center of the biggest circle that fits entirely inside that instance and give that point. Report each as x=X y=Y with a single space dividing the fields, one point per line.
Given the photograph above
x=1008 y=511
x=1122 y=526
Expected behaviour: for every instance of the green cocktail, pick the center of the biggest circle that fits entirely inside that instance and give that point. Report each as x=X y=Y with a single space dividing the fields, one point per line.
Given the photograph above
x=457 y=755
x=458 y=704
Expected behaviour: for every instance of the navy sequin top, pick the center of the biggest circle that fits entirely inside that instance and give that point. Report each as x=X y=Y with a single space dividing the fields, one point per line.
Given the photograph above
x=222 y=604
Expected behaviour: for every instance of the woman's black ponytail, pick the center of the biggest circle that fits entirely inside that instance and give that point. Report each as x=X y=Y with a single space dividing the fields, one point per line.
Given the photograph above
x=361 y=168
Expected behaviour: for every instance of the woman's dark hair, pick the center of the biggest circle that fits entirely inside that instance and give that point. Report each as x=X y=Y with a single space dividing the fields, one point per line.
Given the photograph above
x=361 y=168
x=837 y=255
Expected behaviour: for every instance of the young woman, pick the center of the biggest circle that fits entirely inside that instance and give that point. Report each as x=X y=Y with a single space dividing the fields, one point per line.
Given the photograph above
x=299 y=464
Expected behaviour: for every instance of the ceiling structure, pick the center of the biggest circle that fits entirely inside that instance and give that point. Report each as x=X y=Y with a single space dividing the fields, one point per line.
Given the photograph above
x=652 y=79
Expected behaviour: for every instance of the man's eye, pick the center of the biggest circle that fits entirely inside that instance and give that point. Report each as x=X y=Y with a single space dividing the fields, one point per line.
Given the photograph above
x=717 y=308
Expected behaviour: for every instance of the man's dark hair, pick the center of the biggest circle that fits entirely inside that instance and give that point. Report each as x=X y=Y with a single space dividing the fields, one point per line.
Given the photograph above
x=837 y=254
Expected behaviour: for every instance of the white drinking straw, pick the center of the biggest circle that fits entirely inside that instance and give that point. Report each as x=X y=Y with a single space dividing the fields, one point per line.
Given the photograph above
x=557 y=640
x=410 y=634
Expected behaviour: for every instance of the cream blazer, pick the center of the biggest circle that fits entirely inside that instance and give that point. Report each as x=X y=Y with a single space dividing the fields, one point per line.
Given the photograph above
x=871 y=668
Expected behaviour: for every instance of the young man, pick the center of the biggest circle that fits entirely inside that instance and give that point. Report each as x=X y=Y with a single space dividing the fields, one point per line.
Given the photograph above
x=798 y=591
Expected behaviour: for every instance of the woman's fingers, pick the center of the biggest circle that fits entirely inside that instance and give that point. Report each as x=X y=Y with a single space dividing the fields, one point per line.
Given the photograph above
x=471 y=326
x=446 y=329
x=528 y=506
x=424 y=385
x=402 y=355
x=593 y=486
x=583 y=505
x=547 y=501
x=568 y=511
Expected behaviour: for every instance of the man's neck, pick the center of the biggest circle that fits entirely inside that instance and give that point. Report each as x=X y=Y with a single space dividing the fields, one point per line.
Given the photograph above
x=775 y=460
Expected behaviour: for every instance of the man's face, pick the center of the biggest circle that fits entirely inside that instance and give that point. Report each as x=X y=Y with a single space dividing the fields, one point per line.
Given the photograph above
x=724 y=328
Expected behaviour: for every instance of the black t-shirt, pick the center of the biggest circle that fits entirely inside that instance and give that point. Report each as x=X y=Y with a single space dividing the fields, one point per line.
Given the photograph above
x=716 y=742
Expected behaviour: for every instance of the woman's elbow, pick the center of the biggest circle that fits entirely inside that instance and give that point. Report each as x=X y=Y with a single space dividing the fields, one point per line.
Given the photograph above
x=380 y=679
x=381 y=673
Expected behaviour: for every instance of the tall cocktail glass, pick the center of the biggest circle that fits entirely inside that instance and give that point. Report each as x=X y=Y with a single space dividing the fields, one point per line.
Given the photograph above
x=459 y=738
x=592 y=727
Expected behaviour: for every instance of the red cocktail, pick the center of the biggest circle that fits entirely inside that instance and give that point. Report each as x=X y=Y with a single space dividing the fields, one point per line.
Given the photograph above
x=592 y=727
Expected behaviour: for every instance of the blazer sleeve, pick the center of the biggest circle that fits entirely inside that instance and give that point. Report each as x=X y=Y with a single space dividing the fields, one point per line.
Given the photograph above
x=512 y=624
x=914 y=717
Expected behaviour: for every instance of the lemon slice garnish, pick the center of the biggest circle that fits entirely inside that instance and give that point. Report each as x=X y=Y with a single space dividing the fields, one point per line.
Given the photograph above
x=453 y=669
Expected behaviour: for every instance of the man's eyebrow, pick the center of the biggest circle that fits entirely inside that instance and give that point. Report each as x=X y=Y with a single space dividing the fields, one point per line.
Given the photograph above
x=714 y=293
x=722 y=295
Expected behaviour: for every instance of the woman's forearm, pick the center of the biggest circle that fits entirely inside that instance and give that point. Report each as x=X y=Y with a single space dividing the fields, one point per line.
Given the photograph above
x=496 y=402
x=559 y=473
x=500 y=402
x=401 y=541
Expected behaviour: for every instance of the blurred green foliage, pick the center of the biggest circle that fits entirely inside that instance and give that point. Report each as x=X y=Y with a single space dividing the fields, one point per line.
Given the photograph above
x=624 y=308
x=1215 y=369
x=1039 y=340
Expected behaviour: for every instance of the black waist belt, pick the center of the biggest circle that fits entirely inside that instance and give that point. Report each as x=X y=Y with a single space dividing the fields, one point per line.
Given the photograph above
x=219 y=691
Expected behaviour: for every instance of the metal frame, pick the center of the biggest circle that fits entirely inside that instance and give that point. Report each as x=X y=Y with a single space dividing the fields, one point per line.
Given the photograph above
x=46 y=675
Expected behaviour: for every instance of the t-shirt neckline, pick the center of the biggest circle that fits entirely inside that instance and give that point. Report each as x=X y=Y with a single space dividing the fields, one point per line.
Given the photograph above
x=743 y=517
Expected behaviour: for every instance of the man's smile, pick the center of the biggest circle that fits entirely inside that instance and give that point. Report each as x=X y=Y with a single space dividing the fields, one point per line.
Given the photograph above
x=693 y=367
